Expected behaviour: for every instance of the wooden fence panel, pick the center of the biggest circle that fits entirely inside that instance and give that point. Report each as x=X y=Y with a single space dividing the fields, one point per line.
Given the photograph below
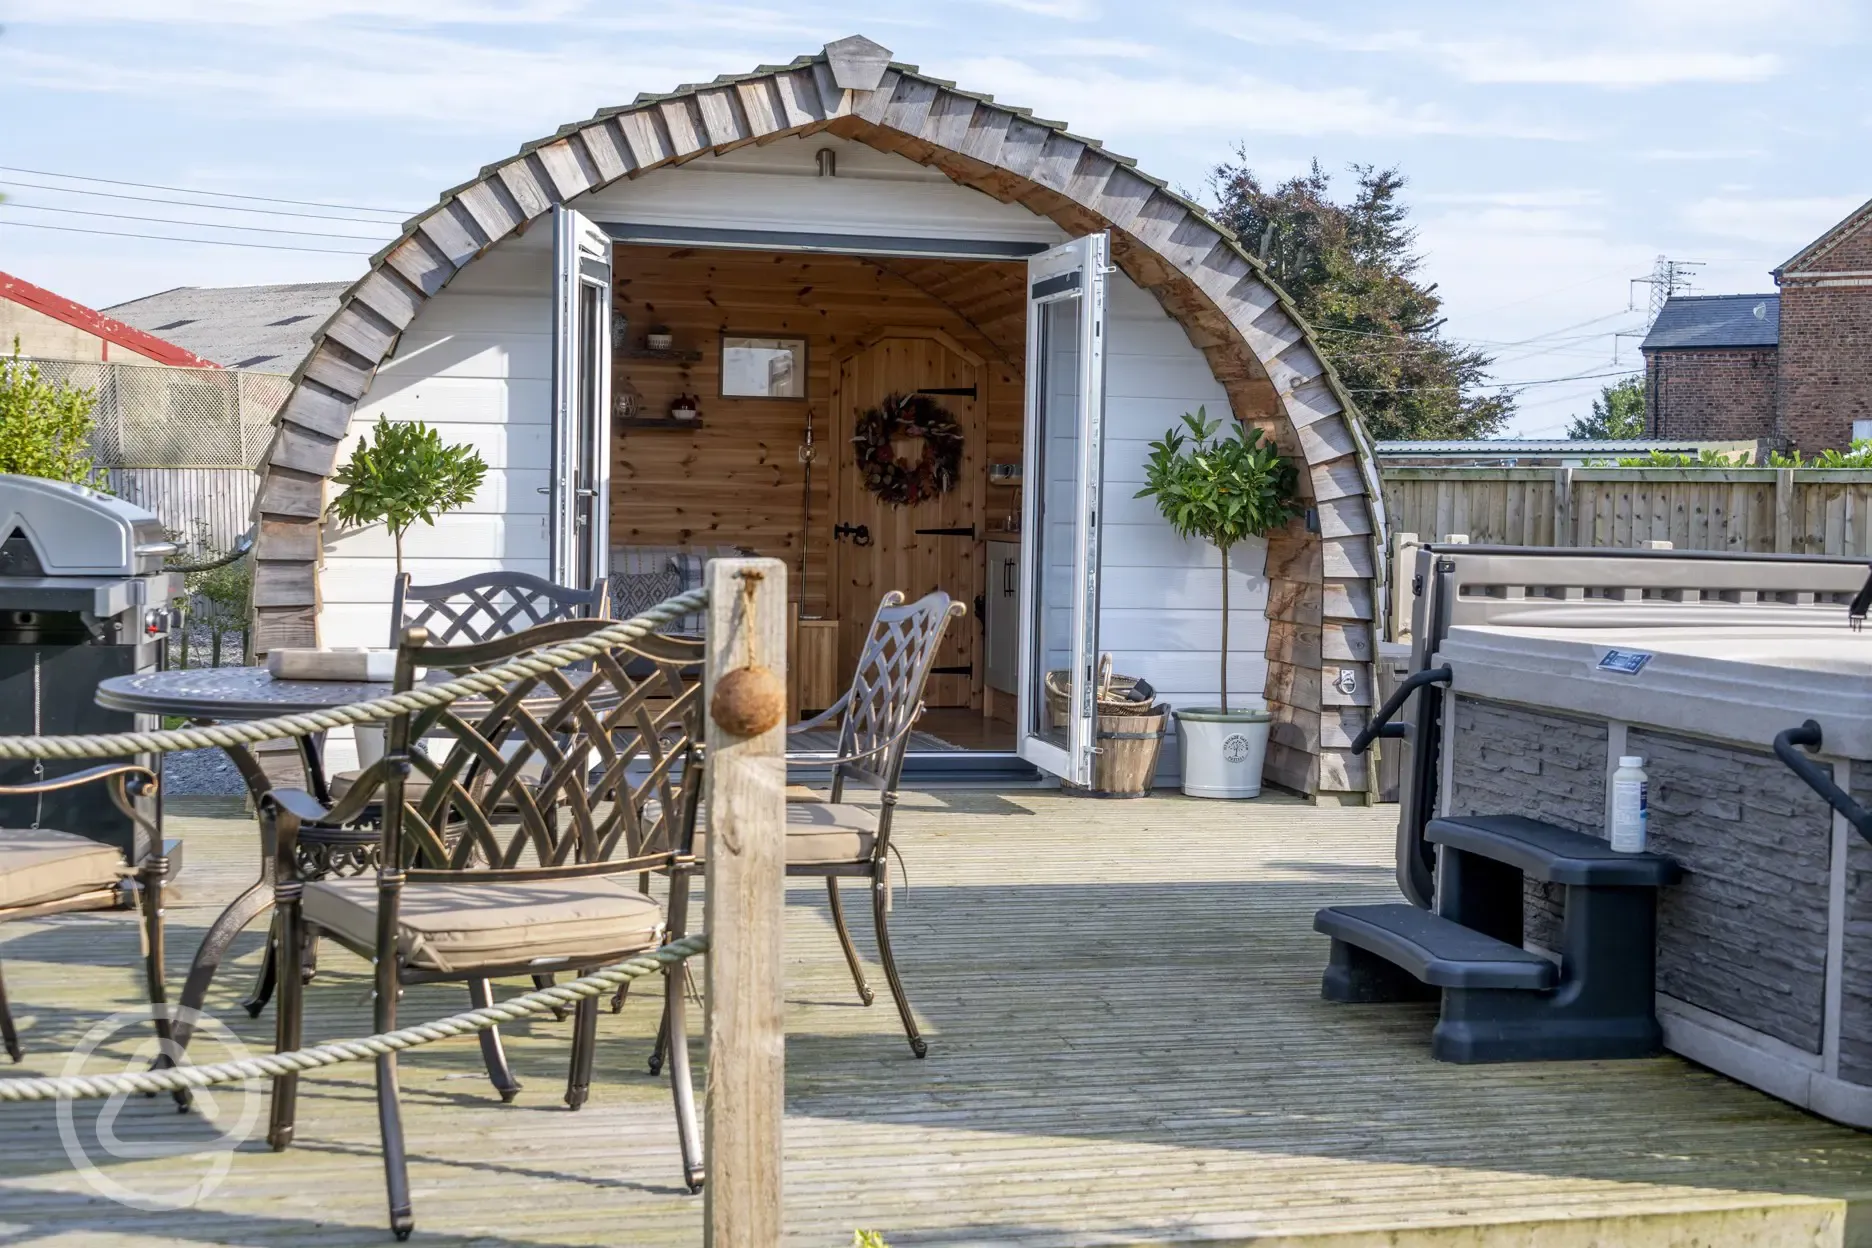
x=1801 y=511
x=209 y=507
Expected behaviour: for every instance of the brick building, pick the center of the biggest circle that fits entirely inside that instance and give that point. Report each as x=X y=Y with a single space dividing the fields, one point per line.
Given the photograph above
x=1825 y=391
x=1794 y=367
x=1710 y=368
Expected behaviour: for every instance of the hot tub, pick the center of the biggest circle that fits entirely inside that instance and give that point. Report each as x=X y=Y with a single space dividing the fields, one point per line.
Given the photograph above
x=1561 y=662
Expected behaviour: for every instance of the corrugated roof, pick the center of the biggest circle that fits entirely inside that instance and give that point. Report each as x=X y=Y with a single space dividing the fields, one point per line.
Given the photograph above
x=128 y=335
x=1540 y=446
x=1712 y=321
x=267 y=329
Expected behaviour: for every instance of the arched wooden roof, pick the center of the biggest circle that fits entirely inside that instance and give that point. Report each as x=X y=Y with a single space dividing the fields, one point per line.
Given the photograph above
x=1322 y=607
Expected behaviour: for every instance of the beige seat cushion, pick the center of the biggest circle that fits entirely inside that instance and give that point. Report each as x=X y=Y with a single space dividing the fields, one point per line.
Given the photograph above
x=45 y=866
x=459 y=926
x=821 y=833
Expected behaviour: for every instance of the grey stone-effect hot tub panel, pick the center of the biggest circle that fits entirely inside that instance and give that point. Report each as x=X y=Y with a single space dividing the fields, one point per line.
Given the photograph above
x=1514 y=759
x=1744 y=934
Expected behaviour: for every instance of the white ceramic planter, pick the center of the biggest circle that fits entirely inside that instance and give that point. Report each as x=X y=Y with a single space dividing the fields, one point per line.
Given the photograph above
x=1222 y=751
x=370 y=744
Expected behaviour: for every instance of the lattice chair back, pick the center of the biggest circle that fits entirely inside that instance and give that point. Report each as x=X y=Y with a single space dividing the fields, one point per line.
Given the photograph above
x=886 y=694
x=494 y=604
x=583 y=764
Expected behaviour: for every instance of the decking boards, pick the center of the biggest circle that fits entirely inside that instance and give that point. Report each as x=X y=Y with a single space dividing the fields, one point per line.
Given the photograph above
x=1127 y=1047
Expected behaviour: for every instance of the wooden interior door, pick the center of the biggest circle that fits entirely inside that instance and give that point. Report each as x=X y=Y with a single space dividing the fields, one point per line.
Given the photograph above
x=899 y=556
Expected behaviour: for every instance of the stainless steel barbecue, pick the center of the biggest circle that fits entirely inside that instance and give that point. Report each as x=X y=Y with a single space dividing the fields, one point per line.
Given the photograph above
x=83 y=596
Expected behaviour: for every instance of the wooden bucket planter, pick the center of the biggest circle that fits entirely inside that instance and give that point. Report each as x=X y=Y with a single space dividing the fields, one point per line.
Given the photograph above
x=1129 y=735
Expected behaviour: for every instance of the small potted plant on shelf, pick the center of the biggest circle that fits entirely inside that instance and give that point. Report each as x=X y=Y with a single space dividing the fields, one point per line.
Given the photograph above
x=659 y=338
x=1223 y=486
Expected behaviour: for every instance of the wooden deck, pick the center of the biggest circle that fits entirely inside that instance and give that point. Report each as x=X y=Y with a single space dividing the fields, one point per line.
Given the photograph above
x=1128 y=1047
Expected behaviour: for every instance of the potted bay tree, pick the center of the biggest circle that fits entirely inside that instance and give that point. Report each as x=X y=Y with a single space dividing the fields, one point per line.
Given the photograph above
x=404 y=475
x=1223 y=483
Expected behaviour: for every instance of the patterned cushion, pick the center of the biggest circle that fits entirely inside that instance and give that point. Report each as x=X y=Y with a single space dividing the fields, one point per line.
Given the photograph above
x=663 y=567
x=633 y=593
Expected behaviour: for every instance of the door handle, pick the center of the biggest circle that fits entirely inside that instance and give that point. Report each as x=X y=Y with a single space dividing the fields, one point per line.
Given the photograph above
x=1007 y=578
x=860 y=534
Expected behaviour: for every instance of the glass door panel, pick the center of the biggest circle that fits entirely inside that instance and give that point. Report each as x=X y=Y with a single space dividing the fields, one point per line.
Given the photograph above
x=581 y=432
x=1063 y=470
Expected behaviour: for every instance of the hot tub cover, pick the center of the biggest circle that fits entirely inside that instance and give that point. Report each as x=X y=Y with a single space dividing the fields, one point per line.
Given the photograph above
x=1742 y=684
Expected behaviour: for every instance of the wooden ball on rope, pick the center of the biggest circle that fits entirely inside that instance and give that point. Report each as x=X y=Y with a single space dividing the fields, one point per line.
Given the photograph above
x=748 y=701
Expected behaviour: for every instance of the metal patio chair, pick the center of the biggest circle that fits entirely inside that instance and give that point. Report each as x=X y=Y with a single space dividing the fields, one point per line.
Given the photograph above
x=837 y=839
x=462 y=896
x=46 y=872
x=465 y=611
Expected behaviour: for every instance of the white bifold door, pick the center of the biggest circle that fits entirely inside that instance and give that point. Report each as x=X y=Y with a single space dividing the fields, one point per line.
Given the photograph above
x=579 y=517
x=1063 y=472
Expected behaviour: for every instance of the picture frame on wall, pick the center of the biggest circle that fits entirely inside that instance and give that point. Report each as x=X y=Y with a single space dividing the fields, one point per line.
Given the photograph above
x=763 y=366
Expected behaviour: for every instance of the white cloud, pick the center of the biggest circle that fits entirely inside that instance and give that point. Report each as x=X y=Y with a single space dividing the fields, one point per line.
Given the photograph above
x=1533 y=46
x=1702 y=153
x=1104 y=103
x=1070 y=10
x=1562 y=197
x=1620 y=67
x=387 y=75
x=1785 y=223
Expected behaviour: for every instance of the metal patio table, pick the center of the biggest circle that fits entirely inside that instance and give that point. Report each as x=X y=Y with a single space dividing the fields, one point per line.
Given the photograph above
x=236 y=694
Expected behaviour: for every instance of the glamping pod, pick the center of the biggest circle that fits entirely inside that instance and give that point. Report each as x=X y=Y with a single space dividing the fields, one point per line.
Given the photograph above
x=674 y=329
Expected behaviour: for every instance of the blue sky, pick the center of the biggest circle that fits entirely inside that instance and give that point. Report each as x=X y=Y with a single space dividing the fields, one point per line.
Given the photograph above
x=1553 y=149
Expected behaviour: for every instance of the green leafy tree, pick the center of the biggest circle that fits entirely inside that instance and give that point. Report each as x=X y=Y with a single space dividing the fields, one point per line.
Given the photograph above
x=45 y=426
x=1352 y=269
x=1618 y=412
x=1220 y=486
x=406 y=474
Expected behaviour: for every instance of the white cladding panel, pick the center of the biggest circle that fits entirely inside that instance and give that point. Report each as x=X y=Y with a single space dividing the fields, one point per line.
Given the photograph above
x=475 y=365
x=778 y=187
x=1160 y=597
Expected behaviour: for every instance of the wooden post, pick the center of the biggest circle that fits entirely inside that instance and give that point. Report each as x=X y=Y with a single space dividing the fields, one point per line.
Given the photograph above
x=1784 y=511
x=1403 y=568
x=1563 y=507
x=744 y=792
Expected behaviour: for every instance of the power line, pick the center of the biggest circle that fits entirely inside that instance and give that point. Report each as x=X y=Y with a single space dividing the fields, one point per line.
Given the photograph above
x=1493 y=385
x=188 y=190
x=207 y=225
x=186 y=203
x=170 y=238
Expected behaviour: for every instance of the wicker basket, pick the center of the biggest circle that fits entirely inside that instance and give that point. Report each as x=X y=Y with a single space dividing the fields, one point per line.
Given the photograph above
x=1129 y=734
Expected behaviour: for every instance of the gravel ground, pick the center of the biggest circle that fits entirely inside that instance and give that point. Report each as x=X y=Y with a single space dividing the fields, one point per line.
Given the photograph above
x=200 y=773
x=205 y=773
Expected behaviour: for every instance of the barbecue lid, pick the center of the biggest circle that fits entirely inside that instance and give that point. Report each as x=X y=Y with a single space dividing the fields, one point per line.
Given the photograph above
x=69 y=530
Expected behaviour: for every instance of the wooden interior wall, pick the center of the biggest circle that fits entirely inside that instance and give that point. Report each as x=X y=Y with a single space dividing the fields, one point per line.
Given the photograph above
x=737 y=479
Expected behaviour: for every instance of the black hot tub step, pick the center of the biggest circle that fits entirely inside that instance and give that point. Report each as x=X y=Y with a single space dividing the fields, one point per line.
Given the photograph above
x=1431 y=949
x=1550 y=853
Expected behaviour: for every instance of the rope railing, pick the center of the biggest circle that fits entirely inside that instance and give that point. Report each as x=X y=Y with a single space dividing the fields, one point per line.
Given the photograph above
x=377 y=710
x=337 y=1052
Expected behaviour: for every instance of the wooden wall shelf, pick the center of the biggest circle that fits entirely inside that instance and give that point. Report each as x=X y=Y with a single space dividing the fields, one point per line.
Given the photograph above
x=672 y=356
x=654 y=422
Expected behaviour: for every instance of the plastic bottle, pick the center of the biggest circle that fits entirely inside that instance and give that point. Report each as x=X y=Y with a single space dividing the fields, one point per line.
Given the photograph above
x=1630 y=805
